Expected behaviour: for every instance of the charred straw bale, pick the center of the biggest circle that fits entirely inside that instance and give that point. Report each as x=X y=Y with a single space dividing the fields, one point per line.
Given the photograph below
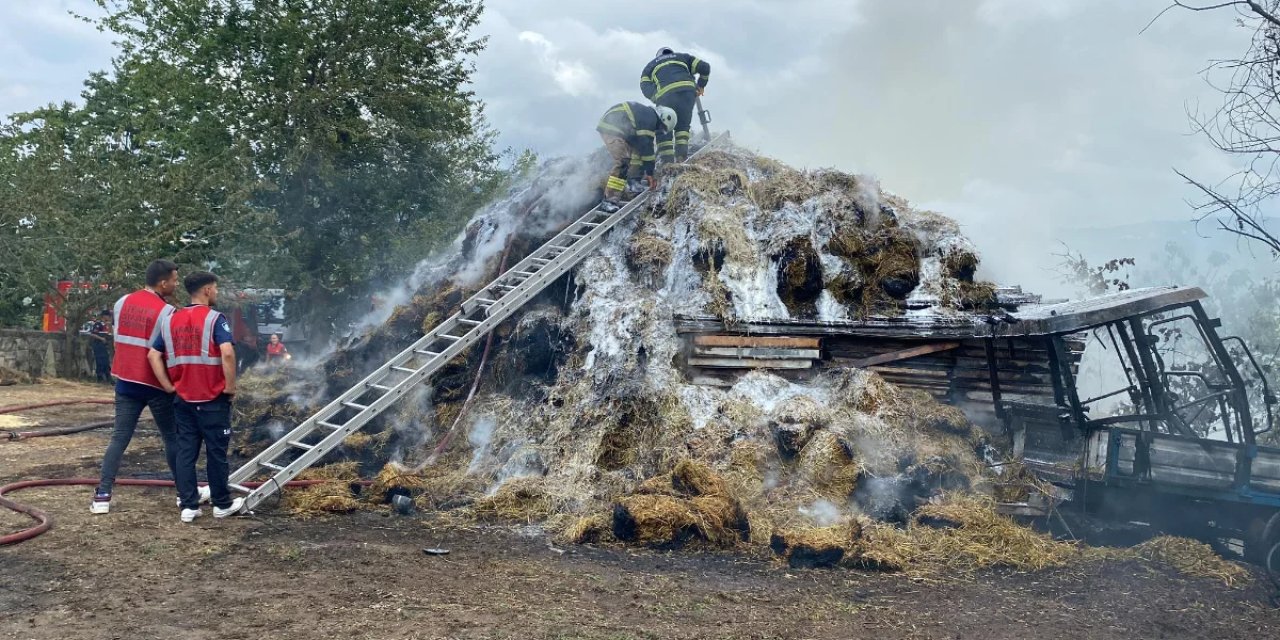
x=961 y=264
x=816 y=547
x=800 y=278
x=783 y=186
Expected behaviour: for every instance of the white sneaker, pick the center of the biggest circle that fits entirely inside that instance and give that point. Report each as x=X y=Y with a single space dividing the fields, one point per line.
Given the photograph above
x=204 y=496
x=191 y=514
x=101 y=503
x=236 y=506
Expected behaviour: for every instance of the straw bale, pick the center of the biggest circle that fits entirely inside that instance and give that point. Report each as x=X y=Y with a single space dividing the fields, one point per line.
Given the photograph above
x=597 y=527
x=723 y=521
x=828 y=464
x=977 y=295
x=655 y=519
x=649 y=254
x=522 y=499
x=395 y=476
x=13 y=376
x=810 y=547
x=725 y=228
x=787 y=185
x=696 y=479
x=960 y=264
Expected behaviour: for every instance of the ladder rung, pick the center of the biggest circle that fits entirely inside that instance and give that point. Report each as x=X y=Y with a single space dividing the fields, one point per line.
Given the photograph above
x=579 y=235
x=329 y=425
x=449 y=337
x=425 y=352
x=592 y=224
x=542 y=260
x=380 y=387
x=470 y=322
x=486 y=301
x=526 y=273
x=240 y=487
x=404 y=369
x=300 y=445
x=355 y=405
x=272 y=466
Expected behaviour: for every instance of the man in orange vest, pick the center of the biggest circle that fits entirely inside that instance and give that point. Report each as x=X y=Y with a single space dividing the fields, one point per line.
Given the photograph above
x=136 y=323
x=194 y=356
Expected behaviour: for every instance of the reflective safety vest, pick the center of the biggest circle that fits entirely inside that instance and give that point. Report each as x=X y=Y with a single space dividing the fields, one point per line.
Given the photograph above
x=193 y=359
x=136 y=324
x=673 y=72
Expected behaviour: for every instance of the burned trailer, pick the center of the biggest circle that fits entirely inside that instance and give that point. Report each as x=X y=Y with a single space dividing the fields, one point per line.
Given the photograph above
x=1173 y=441
x=1169 y=434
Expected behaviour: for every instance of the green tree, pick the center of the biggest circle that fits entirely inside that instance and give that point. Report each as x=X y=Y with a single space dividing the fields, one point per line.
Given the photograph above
x=362 y=137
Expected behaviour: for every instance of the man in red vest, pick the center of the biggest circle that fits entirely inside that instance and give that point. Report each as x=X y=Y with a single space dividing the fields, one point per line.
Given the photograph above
x=195 y=357
x=136 y=323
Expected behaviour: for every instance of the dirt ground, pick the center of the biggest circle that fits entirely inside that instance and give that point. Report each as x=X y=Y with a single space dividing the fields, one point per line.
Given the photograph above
x=140 y=573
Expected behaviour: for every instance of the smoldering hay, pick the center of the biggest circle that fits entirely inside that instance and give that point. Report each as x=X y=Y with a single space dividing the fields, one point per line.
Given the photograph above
x=585 y=424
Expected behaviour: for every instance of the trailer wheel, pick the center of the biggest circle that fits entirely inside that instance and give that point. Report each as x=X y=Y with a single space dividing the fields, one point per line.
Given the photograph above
x=1263 y=534
x=1273 y=564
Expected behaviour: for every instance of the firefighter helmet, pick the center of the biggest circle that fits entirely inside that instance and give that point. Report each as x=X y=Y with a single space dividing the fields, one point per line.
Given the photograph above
x=665 y=51
x=667 y=115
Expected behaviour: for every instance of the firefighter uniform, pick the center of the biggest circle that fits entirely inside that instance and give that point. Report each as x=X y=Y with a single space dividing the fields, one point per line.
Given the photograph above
x=669 y=80
x=191 y=341
x=628 y=131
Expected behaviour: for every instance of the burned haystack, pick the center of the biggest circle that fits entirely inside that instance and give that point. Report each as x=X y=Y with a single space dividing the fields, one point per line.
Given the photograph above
x=584 y=424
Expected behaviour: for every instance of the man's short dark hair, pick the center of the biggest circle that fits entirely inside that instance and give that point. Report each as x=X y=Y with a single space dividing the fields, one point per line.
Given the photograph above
x=196 y=280
x=159 y=271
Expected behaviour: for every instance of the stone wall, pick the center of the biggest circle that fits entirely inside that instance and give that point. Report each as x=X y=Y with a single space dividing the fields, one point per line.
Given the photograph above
x=41 y=354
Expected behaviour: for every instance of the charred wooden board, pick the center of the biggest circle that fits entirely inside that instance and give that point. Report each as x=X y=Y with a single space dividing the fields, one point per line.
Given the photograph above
x=743 y=363
x=760 y=354
x=774 y=342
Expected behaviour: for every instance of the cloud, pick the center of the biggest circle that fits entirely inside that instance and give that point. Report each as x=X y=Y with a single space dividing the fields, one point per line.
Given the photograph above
x=47 y=52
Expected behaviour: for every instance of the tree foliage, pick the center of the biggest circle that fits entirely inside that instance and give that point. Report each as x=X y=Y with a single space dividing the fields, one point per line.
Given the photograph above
x=321 y=146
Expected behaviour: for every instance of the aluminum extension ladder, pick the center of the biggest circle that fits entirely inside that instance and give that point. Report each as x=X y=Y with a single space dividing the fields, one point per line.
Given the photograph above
x=480 y=314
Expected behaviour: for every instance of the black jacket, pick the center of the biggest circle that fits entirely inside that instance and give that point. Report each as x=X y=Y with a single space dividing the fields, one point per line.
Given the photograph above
x=637 y=123
x=673 y=72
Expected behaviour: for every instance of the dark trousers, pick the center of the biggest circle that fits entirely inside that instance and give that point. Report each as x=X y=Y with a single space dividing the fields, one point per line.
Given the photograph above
x=128 y=409
x=675 y=145
x=101 y=363
x=208 y=424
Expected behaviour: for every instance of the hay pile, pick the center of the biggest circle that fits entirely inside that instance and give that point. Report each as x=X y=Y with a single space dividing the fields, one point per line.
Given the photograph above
x=584 y=424
x=333 y=495
x=1186 y=556
x=689 y=504
x=12 y=376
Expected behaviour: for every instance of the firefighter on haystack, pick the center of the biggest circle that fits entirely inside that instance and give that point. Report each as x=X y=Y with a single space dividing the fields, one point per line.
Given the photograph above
x=675 y=80
x=628 y=130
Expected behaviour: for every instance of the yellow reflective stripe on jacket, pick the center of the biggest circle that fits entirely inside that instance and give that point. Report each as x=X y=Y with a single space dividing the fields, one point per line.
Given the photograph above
x=644 y=132
x=680 y=84
x=611 y=128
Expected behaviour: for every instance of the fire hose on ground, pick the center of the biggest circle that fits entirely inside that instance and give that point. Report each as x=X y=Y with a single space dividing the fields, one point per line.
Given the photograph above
x=54 y=403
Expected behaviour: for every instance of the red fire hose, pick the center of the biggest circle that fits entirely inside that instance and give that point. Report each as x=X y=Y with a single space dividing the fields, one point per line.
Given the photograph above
x=59 y=431
x=55 y=403
x=44 y=523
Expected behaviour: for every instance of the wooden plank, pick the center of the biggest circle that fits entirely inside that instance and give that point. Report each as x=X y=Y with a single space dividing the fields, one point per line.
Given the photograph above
x=735 y=363
x=766 y=354
x=757 y=341
x=905 y=354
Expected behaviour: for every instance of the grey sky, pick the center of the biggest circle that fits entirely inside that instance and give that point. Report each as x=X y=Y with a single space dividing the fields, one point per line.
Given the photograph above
x=1017 y=117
